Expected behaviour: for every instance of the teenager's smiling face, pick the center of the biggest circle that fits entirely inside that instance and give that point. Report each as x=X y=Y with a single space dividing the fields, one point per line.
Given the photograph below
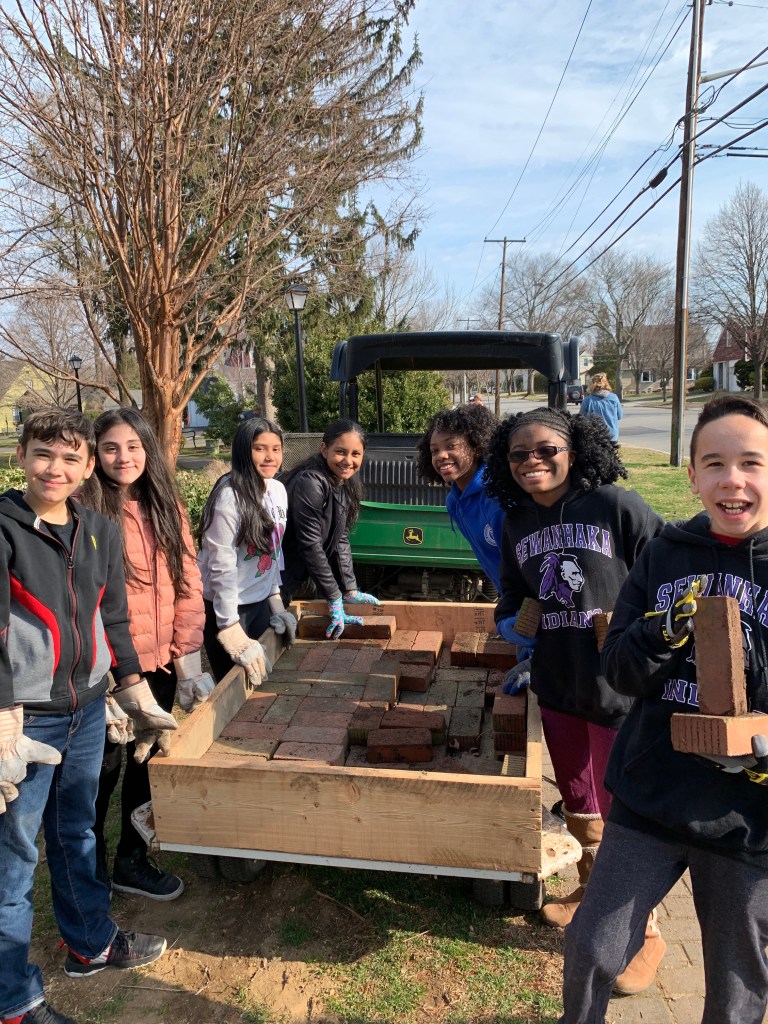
x=729 y=473
x=453 y=458
x=121 y=455
x=344 y=456
x=53 y=470
x=545 y=478
x=267 y=454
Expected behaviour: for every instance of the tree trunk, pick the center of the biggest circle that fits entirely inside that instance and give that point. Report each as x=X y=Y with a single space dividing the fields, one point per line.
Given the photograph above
x=758 y=378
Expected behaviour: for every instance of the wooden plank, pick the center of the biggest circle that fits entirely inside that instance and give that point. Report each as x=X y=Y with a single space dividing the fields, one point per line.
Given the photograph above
x=448 y=618
x=373 y=814
x=533 y=745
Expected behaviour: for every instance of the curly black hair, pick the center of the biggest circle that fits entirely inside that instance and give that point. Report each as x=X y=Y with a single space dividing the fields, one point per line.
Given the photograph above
x=596 y=460
x=473 y=422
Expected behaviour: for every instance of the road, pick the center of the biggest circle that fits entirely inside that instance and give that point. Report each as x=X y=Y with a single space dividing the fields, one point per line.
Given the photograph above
x=641 y=426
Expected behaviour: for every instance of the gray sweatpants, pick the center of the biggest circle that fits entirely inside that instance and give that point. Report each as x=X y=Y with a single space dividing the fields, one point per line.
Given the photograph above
x=633 y=872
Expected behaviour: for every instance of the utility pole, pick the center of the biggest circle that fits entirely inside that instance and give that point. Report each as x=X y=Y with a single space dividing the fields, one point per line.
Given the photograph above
x=504 y=241
x=684 y=235
x=467 y=320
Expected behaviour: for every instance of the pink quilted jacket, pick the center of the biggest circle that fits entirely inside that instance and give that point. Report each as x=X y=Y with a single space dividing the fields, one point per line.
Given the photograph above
x=162 y=627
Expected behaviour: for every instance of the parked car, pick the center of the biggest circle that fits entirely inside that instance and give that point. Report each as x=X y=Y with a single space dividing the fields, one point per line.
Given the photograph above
x=575 y=393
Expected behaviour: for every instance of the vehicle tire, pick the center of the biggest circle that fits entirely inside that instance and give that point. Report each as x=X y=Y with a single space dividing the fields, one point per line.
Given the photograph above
x=488 y=892
x=204 y=865
x=526 y=895
x=240 y=869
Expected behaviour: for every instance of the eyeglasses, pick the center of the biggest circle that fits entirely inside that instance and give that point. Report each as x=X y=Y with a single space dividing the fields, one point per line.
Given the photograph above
x=544 y=451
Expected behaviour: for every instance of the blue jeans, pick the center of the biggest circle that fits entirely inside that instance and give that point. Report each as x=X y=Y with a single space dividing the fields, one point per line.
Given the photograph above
x=63 y=798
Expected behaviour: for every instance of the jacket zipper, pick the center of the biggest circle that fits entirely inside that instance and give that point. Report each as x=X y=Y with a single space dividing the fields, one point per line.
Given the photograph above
x=70 y=561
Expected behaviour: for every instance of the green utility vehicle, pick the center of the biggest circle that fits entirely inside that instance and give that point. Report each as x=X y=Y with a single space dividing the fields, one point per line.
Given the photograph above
x=403 y=544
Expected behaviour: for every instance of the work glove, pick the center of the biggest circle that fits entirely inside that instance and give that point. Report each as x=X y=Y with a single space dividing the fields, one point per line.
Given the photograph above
x=524 y=644
x=339 y=619
x=754 y=765
x=517 y=678
x=151 y=725
x=16 y=752
x=283 y=622
x=246 y=651
x=119 y=725
x=676 y=625
x=360 y=597
x=193 y=686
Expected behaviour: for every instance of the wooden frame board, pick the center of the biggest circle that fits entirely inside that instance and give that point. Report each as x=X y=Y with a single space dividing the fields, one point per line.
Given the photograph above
x=452 y=820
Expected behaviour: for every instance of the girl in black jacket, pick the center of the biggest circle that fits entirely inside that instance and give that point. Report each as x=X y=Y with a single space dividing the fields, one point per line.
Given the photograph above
x=324 y=495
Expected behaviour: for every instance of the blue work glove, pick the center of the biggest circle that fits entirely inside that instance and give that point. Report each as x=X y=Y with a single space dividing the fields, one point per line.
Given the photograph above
x=517 y=678
x=506 y=628
x=359 y=597
x=339 y=619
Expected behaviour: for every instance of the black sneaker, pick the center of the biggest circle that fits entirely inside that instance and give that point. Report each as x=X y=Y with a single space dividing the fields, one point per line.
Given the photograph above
x=45 y=1014
x=139 y=875
x=128 y=949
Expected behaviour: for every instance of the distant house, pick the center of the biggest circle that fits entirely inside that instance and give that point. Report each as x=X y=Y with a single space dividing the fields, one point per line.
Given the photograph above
x=729 y=350
x=23 y=388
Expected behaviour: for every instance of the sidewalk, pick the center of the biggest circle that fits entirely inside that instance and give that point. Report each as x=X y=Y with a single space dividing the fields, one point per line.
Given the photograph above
x=677 y=996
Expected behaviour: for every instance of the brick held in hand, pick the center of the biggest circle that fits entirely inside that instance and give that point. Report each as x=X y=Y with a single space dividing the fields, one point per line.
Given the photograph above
x=374 y=627
x=413 y=746
x=720 y=671
x=600 y=623
x=529 y=618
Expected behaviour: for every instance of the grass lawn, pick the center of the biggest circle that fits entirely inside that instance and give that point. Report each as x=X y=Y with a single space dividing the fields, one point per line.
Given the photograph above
x=664 y=487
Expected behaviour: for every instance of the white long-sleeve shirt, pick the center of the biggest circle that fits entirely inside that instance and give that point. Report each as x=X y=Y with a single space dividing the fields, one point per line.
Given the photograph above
x=239 y=575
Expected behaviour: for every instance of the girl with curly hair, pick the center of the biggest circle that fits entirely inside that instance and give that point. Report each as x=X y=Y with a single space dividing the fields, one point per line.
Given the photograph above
x=241 y=534
x=452 y=452
x=570 y=538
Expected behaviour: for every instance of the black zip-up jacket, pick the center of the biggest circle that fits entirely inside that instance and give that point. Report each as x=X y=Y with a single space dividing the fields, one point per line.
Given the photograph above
x=316 y=540
x=573 y=557
x=666 y=792
x=63 y=616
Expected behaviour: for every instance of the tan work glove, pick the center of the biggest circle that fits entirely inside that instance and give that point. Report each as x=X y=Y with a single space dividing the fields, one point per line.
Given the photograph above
x=16 y=752
x=119 y=725
x=246 y=651
x=193 y=686
x=150 y=723
x=280 y=620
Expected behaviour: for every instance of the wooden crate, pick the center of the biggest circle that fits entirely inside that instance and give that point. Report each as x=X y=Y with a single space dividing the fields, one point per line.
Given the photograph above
x=367 y=817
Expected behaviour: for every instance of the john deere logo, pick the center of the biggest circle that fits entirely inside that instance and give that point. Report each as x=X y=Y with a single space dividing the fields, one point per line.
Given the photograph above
x=413 y=535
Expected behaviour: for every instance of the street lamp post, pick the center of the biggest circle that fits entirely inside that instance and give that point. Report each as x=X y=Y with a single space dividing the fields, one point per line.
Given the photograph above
x=76 y=362
x=295 y=299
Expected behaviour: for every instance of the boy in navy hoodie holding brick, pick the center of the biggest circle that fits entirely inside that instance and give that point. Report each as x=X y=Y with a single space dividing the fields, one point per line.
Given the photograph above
x=63 y=626
x=674 y=811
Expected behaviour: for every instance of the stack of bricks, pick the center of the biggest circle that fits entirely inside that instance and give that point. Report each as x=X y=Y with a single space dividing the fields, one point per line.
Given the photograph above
x=392 y=699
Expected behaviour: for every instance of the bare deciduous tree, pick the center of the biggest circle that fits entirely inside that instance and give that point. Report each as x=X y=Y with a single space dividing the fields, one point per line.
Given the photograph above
x=731 y=273
x=183 y=158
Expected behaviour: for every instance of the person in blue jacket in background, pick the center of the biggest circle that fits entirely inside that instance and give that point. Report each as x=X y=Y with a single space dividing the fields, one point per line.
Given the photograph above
x=601 y=401
x=452 y=451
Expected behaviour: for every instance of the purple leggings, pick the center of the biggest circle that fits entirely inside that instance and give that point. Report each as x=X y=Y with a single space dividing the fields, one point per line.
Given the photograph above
x=579 y=752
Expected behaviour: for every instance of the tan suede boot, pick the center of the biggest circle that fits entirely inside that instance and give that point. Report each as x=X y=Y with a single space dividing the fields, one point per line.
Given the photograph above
x=641 y=969
x=588 y=829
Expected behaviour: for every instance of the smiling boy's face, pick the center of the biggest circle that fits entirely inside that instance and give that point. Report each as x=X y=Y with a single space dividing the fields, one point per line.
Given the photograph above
x=730 y=475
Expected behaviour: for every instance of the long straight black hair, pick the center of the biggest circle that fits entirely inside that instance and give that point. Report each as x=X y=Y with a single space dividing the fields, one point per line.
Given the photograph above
x=353 y=488
x=256 y=525
x=155 y=491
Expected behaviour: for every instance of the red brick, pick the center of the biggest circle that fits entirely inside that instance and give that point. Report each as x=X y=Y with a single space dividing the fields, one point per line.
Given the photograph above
x=413 y=657
x=365 y=719
x=471 y=694
x=314 y=734
x=314 y=753
x=720 y=675
x=383 y=684
x=464 y=648
x=429 y=640
x=374 y=627
x=509 y=712
x=528 y=618
x=361 y=644
x=317 y=658
x=320 y=721
x=339 y=691
x=416 y=718
x=600 y=623
x=283 y=709
x=465 y=728
x=724 y=735
x=509 y=742
x=253 y=730
x=365 y=659
x=255 y=749
x=402 y=640
x=341 y=660
x=416 y=677
x=328 y=705
x=493 y=686
x=394 y=745
x=255 y=707
x=496 y=653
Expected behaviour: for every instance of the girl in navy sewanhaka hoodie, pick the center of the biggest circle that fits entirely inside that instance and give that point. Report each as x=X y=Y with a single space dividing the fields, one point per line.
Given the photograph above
x=674 y=811
x=570 y=539
x=452 y=450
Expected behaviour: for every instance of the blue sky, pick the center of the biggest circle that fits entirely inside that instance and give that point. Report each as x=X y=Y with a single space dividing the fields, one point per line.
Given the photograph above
x=490 y=71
